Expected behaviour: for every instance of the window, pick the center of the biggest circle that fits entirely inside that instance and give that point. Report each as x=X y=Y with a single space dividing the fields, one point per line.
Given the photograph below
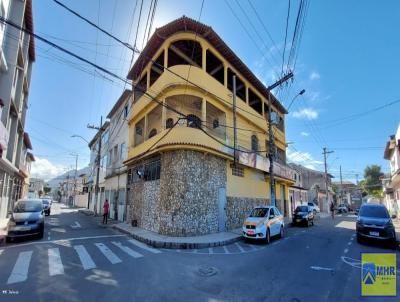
x=152 y=170
x=153 y=132
x=157 y=68
x=123 y=151
x=193 y=121
x=271 y=212
x=125 y=111
x=240 y=87
x=281 y=156
x=140 y=88
x=115 y=156
x=185 y=52
x=109 y=158
x=237 y=171
x=139 y=132
x=254 y=101
x=254 y=143
x=169 y=123
x=214 y=67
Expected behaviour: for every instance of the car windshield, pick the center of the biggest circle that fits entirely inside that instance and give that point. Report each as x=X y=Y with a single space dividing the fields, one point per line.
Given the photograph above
x=28 y=206
x=377 y=212
x=301 y=209
x=259 y=212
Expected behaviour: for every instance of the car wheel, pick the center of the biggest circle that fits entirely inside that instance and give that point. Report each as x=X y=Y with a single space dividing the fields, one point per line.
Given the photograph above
x=281 y=233
x=359 y=239
x=267 y=237
x=8 y=239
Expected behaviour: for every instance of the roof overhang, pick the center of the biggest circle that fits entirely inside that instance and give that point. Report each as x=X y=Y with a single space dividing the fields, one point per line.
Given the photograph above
x=27 y=141
x=29 y=26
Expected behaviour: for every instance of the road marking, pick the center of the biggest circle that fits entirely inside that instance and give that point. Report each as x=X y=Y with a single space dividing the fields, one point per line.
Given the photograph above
x=210 y=250
x=144 y=246
x=76 y=225
x=20 y=270
x=352 y=238
x=1 y=252
x=226 y=250
x=239 y=247
x=349 y=243
x=84 y=256
x=63 y=240
x=127 y=250
x=108 y=253
x=318 y=268
x=55 y=265
x=346 y=250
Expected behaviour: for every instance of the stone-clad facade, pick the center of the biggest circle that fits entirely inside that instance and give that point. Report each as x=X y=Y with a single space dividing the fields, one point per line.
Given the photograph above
x=238 y=208
x=184 y=201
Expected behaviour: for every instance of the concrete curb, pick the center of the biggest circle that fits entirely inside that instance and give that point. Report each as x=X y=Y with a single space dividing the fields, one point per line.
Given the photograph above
x=86 y=212
x=177 y=245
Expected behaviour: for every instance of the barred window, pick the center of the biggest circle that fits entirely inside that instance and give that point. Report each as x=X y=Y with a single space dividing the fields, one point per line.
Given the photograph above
x=237 y=171
x=169 y=123
x=254 y=143
x=152 y=170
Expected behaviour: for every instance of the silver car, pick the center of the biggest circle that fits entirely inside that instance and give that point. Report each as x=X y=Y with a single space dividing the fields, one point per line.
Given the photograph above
x=26 y=219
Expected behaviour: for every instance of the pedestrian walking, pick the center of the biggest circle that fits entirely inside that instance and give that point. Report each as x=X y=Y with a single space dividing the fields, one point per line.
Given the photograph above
x=106 y=207
x=332 y=210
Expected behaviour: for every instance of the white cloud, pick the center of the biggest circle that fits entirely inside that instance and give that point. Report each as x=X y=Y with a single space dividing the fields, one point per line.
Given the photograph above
x=303 y=158
x=304 y=133
x=307 y=113
x=44 y=169
x=314 y=76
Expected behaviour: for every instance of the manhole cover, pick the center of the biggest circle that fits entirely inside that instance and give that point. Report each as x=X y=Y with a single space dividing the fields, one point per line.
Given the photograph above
x=207 y=271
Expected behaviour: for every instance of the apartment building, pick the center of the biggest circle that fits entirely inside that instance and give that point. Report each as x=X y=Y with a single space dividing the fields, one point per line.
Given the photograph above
x=298 y=195
x=116 y=171
x=391 y=183
x=17 y=54
x=182 y=178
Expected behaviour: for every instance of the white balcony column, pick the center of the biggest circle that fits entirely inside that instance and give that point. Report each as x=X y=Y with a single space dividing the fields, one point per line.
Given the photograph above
x=204 y=112
x=204 y=54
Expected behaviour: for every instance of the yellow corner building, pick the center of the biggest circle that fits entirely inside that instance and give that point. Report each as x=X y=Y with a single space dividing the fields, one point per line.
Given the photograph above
x=181 y=179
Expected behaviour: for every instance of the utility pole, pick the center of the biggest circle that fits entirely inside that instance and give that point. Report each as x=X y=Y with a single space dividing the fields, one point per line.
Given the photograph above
x=76 y=172
x=234 y=122
x=271 y=143
x=341 y=184
x=326 y=176
x=98 y=159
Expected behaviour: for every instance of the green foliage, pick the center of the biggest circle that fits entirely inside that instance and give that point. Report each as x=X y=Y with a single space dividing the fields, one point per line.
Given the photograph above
x=46 y=190
x=372 y=184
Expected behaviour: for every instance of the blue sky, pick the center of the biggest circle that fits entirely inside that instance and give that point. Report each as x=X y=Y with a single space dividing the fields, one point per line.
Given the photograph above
x=348 y=62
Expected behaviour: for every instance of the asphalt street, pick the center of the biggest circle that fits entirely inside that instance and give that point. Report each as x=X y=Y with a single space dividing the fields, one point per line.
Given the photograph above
x=81 y=260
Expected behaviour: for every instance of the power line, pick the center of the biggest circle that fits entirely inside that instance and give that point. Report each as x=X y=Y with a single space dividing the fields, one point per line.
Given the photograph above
x=286 y=32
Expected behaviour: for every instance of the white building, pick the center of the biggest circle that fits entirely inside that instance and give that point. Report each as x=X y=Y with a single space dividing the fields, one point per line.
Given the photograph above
x=392 y=181
x=115 y=179
x=297 y=193
x=17 y=53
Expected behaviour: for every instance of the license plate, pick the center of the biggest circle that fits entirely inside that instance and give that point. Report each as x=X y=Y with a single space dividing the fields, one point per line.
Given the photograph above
x=374 y=233
x=298 y=220
x=250 y=232
x=23 y=228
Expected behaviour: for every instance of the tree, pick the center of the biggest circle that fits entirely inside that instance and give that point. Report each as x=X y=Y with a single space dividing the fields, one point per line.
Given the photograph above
x=372 y=180
x=46 y=190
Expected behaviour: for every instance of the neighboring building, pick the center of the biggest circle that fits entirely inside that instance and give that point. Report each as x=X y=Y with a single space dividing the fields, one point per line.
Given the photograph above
x=314 y=182
x=391 y=187
x=17 y=53
x=36 y=187
x=103 y=134
x=348 y=192
x=297 y=193
x=82 y=193
x=181 y=176
x=115 y=179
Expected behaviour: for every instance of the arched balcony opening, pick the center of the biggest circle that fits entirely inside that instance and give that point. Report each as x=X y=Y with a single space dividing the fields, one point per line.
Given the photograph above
x=240 y=87
x=216 y=121
x=157 y=68
x=139 y=132
x=214 y=67
x=254 y=143
x=140 y=88
x=154 y=121
x=189 y=105
x=185 y=52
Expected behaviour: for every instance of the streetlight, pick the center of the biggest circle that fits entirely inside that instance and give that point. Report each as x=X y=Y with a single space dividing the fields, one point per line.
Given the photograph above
x=76 y=135
x=300 y=93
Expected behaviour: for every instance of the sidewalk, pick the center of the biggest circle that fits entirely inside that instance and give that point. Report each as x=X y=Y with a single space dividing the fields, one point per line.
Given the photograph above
x=396 y=222
x=3 y=229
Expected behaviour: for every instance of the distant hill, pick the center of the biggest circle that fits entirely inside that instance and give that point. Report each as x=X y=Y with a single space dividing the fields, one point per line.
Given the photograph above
x=54 y=182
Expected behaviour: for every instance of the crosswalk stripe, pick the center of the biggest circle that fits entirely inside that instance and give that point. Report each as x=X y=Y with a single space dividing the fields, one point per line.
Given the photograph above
x=1 y=252
x=55 y=265
x=127 y=250
x=144 y=246
x=20 y=270
x=225 y=249
x=239 y=247
x=84 y=256
x=108 y=253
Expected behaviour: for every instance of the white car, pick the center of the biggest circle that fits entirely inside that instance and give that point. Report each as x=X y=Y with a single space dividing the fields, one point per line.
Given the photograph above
x=263 y=223
x=314 y=207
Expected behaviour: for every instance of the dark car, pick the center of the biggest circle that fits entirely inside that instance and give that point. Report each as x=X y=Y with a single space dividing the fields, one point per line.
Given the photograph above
x=26 y=219
x=46 y=206
x=303 y=215
x=374 y=222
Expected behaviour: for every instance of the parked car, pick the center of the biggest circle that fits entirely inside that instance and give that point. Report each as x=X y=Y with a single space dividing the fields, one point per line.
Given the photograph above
x=342 y=208
x=357 y=210
x=26 y=219
x=49 y=199
x=314 y=207
x=46 y=206
x=263 y=223
x=374 y=222
x=303 y=215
